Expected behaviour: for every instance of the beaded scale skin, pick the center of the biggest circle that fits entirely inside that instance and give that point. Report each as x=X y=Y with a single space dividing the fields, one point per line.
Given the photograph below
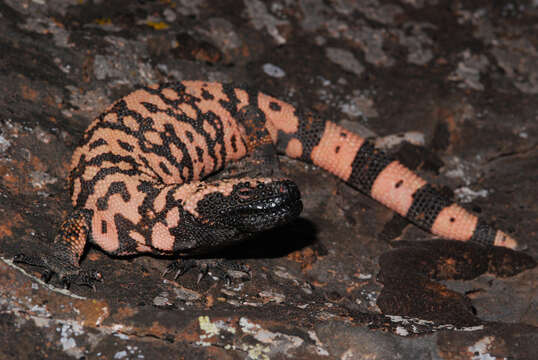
x=137 y=179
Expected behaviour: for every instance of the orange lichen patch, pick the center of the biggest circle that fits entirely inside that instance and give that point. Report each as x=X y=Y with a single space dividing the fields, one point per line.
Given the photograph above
x=52 y=102
x=452 y=121
x=92 y=312
x=320 y=284
x=354 y=286
x=158 y=25
x=446 y=268
x=454 y=222
x=8 y=223
x=209 y=299
x=20 y=289
x=336 y=150
x=124 y=313
x=395 y=186
x=306 y=257
x=103 y=21
x=158 y=330
x=29 y=93
x=294 y=149
x=9 y=180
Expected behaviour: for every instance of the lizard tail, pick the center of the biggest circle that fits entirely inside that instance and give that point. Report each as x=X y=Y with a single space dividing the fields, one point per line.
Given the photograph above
x=357 y=161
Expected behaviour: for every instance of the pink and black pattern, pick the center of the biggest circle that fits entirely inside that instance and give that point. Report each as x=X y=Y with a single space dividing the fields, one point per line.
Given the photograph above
x=137 y=179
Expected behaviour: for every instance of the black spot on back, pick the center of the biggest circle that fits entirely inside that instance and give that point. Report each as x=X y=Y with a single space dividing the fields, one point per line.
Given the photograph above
x=233 y=140
x=164 y=168
x=150 y=107
x=117 y=187
x=189 y=136
x=98 y=143
x=125 y=146
x=207 y=95
x=274 y=106
x=200 y=153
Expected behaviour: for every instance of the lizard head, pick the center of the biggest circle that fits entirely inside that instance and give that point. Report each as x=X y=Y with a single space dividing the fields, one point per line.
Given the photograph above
x=226 y=211
x=252 y=205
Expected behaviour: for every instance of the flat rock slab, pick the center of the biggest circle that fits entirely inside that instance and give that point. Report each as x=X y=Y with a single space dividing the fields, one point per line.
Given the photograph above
x=449 y=88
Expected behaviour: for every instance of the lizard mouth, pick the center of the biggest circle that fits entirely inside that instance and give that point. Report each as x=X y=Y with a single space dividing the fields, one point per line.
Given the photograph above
x=281 y=204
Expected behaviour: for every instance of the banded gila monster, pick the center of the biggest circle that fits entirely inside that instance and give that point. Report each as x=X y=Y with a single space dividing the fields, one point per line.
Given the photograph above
x=137 y=179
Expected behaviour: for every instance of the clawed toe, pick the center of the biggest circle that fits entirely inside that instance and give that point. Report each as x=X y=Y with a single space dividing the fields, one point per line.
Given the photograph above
x=30 y=260
x=82 y=278
x=67 y=274
x=222 y=269
x=179 y=267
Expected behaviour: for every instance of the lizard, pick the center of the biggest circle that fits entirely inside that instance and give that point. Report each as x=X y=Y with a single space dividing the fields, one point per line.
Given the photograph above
x=138 y=178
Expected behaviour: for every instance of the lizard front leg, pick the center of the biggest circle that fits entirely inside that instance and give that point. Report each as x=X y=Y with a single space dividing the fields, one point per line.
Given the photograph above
x=66 y=250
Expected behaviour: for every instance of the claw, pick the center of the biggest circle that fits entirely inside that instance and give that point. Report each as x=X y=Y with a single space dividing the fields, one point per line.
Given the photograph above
x=179 y=267
x=46 y=275
x=223 y=269
x=65 y=272
x=65 y=283
x=200 y=277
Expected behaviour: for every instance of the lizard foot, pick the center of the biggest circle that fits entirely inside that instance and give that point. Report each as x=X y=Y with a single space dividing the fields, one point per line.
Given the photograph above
x=67 y=273
x=226 y=270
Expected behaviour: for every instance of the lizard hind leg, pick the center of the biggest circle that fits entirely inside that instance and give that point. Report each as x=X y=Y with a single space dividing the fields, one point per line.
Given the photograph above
x=65 y=252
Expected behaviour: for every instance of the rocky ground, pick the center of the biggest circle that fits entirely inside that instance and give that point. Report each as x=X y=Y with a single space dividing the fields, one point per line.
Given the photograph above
x=449 y=86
